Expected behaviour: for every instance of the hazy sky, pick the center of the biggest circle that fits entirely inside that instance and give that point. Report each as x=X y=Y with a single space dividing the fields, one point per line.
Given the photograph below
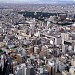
x=11 y=1
x=21 y=1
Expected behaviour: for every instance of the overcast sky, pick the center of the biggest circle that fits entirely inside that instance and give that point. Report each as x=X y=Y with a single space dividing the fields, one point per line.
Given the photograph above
x=28 y=1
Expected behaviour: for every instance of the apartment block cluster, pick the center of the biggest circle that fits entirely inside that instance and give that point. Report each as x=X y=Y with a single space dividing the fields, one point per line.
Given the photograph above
x=29 y=46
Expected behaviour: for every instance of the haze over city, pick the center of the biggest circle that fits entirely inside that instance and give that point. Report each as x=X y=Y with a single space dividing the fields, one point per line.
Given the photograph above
x=35 y=1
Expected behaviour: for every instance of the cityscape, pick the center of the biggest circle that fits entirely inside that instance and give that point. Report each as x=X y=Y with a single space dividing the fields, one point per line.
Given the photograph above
x=37 y=37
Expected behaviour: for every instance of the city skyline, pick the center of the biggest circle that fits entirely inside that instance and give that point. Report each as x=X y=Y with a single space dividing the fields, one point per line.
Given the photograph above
x=37 y=37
